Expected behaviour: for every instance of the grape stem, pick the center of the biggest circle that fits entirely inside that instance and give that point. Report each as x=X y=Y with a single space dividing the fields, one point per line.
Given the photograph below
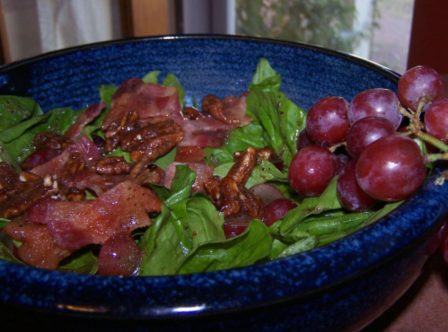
x=437 y=156
x=416 y=126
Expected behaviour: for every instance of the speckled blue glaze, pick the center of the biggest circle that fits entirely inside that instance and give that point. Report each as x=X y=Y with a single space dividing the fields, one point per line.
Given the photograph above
x=344 y=285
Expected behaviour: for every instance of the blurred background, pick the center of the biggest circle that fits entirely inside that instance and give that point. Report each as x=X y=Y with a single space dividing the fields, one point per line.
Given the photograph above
x=395 y=33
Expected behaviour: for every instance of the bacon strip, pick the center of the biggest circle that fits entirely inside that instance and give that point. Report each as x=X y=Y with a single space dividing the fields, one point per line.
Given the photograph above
x=73 y=225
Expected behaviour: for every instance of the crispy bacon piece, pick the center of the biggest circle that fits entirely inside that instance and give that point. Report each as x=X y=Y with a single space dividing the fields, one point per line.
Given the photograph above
x=230 y=110
x=189 y=154
x=48 y=146
x=119 y=256
x=38 y=247
x=152 y=102
x=75 y=131
x=73 y=225
x=204 y=132
x=85 y=147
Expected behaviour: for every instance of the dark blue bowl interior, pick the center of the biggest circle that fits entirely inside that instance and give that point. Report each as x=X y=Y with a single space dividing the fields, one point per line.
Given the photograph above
x=222 y=66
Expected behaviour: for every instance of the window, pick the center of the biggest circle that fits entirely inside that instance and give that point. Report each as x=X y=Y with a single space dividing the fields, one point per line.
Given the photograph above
x=375 y=29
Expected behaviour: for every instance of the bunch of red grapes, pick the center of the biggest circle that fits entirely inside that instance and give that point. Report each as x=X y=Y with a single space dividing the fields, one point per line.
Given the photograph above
x=371 y=143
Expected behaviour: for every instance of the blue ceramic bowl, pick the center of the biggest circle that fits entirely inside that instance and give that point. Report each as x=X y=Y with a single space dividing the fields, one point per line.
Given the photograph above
x=341 y=286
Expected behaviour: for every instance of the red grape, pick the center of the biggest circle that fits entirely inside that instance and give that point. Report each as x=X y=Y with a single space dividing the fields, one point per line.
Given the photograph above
x=417 y=83
x=375 y=102
x=276 y=210
x=367 y=131
x=350 y=195
x=391 y=168
x=436 y=119
x=326 y=121
x=119 y=255
x=311 y=170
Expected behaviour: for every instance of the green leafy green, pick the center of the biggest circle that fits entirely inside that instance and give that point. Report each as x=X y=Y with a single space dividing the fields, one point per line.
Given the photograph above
x=3 y=222
x=184 y=224
x=85 y=263
x=15 y=109
x=17 y=141
x=248 y=248
x=327 y=201
x=164 y=161
x=7 y=255
x=239 y=139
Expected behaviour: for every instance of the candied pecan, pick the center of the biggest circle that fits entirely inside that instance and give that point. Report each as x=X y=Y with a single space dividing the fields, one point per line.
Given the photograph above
x=112 y=165
x=230 y=110
x=192 y=113
x=25 y=196
x=229 y=193
x=244 y=164
x=213 y=106
x=151 y=174
x=115 y=130
x=153 y=140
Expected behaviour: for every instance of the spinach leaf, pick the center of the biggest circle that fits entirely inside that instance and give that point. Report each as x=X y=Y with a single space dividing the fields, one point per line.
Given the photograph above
x=7 y=255
x=84 y=263
x=239 y=139
x=166 y=160
x=151 y=77
x=327 y=201
x=3 y=222
x=246 y=249
x=280 y=119
x=165 y=252
x=265 y=77
x=184 y=224
x=106 y=93
x=15 y=109
x=18 y=140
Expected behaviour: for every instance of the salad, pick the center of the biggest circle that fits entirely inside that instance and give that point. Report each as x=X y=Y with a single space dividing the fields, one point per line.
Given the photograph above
x=140 y=184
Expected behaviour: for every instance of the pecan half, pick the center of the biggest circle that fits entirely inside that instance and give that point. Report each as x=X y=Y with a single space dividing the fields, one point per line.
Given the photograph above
x=112 y=165
x=229 y=193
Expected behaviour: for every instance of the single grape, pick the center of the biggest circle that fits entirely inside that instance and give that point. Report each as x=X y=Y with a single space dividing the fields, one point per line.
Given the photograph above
x=119 y=255
x=326 y=121
x=365 y=132
x=391 y=168
x=377 y=102
x=436 y=119
x=417 y=83
x=276 y=210
x=311 y=170
x=350 y=195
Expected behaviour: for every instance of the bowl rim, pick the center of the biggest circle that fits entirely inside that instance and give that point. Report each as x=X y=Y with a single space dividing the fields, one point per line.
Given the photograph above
x=221 y=278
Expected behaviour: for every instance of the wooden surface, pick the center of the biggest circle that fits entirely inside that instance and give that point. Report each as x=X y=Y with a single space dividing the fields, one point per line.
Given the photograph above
x=424 y=307
x=147 y=17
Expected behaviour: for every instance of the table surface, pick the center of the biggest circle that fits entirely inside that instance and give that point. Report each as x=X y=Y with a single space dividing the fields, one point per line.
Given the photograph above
x=422 y=308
